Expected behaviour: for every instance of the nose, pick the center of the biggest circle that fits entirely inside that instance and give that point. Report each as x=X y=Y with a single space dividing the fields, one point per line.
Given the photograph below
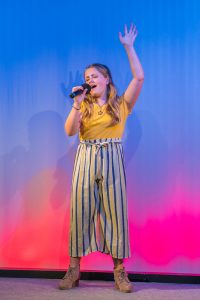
x=91 y=81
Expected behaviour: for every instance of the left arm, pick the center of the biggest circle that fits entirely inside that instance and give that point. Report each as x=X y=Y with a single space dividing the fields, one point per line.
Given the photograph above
x=133 y=90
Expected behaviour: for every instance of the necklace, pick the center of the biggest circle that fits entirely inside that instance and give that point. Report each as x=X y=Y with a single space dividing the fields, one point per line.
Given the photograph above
x=100 y=112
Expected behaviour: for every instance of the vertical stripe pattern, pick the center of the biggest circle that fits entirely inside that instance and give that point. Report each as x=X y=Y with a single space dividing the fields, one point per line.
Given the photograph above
x=99 y=220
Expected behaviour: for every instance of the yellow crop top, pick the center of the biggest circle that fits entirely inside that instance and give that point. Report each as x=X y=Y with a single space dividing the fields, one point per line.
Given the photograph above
x=97 y=126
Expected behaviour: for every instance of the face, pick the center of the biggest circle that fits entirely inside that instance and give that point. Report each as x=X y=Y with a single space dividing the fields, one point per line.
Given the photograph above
x=97 y=80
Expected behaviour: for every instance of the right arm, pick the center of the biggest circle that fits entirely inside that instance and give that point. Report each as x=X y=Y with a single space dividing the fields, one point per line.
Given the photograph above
x=72 y=124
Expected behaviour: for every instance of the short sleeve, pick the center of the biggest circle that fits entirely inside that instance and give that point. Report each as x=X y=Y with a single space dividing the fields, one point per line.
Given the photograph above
x=123 y=107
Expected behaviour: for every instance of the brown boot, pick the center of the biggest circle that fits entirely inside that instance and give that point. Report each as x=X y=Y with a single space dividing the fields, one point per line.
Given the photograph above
x=71 y=278
x=122 y=282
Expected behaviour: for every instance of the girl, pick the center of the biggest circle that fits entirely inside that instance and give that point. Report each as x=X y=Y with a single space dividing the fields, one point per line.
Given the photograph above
x=98 y=198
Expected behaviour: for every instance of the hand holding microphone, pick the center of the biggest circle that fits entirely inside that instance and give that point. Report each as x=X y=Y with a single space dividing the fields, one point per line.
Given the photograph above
x=78 y=90
x=78 y=93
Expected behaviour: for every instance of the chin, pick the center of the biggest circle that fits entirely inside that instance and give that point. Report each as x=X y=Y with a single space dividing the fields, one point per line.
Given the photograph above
x=95 y=95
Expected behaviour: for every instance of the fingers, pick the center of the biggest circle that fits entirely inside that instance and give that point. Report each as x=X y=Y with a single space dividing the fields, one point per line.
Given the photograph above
x=76 y=88
x=135 y=30
x=84 y=92
x=131 y=27
x=79 y=98
x=132 y=30
x=125 y=29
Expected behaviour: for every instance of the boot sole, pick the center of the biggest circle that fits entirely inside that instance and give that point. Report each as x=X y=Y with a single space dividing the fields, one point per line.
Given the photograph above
x=123 y=291
x=74 y=284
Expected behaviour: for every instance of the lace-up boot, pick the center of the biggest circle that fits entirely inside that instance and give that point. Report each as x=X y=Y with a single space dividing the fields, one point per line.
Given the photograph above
x=71 y=278
x=122 y=282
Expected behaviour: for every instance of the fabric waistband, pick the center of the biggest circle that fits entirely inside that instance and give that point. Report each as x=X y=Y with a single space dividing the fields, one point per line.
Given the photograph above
x=101 y=141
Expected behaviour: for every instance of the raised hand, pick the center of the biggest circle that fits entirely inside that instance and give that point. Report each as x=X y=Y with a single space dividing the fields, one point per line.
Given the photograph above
x=129 y=35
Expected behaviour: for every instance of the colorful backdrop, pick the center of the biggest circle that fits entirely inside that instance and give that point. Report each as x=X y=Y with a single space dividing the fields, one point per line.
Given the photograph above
x=45 y=46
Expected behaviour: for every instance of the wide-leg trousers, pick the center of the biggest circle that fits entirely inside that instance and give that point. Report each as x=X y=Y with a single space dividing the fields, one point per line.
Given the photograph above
x=98 y=218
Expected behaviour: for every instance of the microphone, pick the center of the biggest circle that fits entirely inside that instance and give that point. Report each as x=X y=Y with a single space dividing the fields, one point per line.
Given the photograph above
x=79 y=92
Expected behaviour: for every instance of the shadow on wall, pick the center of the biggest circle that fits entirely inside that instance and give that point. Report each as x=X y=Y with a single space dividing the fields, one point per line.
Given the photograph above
x=35 y=185
x=66 y=88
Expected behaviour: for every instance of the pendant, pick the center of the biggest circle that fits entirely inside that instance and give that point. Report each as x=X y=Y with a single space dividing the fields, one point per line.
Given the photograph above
x=100 y=112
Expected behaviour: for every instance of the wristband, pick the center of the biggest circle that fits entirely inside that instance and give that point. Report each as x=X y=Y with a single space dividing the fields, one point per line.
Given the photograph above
x=75 y=107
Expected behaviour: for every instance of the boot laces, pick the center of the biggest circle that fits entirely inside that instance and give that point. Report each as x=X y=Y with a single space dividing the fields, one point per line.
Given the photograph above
x=123 y=276
x=69 y=274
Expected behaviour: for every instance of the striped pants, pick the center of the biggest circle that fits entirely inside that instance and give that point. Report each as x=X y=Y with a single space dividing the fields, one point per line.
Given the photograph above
x=98 y=220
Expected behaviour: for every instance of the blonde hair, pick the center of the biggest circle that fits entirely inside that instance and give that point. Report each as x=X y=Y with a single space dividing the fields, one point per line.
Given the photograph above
x=112 y=98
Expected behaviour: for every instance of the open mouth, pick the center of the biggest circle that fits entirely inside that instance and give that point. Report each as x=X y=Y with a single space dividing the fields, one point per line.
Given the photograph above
x=93 y=86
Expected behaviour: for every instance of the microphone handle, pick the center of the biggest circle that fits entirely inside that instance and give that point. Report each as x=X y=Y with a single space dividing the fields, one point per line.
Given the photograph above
x=74 y=94
x=79 y=92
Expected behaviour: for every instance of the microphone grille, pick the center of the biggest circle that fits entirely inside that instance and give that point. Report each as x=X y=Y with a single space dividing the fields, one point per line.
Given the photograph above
x=87 y=86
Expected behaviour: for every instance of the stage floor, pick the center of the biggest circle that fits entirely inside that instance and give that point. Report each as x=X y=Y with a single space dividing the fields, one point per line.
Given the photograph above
x=46 y=289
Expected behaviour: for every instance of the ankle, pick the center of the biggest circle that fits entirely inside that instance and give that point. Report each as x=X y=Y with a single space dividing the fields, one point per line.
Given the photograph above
x=118 y=263
x=74 y=266
x=74 y=262
x=119 y=267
